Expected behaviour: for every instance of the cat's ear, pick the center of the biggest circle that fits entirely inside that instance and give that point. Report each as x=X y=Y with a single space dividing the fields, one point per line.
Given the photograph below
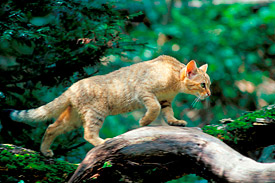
x=204 y=67
x=191 y=69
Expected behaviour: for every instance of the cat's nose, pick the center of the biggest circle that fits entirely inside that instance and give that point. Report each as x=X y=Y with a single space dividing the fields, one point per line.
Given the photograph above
x=208 y=93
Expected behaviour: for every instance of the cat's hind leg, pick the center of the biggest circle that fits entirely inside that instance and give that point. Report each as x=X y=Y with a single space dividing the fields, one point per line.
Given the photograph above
x=93 y=122
x=67 y=121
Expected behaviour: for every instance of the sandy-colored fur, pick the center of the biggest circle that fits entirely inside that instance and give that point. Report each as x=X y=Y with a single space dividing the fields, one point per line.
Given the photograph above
x=150 y=84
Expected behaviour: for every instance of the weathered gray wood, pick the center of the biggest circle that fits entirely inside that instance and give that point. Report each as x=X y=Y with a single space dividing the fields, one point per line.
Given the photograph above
x=165 y=153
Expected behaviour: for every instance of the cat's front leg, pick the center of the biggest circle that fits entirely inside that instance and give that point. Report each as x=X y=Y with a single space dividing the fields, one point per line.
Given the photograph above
x=153 y=109
x=168 y=114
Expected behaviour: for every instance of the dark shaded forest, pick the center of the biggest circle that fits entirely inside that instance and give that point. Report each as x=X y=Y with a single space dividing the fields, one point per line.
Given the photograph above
x=46 y=46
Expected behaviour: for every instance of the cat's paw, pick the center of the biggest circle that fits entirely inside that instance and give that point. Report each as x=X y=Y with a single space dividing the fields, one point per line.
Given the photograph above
x=177 y=123
x=105 y=140
x=48 y=153
x=143 y=122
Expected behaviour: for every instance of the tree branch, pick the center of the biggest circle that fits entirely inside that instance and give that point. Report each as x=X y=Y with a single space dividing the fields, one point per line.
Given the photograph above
x=165 y=153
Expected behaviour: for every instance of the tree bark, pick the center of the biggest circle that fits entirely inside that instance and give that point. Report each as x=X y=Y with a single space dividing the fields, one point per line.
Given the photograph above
x=165 y=153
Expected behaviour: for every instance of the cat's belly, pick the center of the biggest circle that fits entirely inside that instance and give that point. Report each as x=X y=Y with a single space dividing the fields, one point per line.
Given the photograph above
x=124 y=107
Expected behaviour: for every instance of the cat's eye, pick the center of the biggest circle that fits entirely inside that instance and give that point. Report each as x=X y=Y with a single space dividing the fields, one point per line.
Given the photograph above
x=203 y=85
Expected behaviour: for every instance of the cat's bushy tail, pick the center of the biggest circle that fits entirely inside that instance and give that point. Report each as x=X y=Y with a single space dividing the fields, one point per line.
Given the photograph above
x=51 y=110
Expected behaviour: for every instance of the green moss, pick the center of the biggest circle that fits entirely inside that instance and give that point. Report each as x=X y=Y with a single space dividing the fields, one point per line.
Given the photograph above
x=266 y=112
x=233 y=130
x=107 y=164
x=32 y=167
x=219 y=133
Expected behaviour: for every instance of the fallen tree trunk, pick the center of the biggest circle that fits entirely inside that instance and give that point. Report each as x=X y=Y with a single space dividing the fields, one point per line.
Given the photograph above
x=164 y=153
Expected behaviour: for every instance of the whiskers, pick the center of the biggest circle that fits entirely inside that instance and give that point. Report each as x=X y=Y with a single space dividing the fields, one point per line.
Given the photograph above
x=194 y=103
x=198 y=99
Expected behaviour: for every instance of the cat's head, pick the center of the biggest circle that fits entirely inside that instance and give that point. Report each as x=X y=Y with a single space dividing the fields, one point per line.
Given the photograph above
x=195 y=81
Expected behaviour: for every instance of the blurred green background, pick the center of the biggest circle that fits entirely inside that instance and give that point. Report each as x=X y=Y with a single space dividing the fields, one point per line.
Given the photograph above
x=41 y=55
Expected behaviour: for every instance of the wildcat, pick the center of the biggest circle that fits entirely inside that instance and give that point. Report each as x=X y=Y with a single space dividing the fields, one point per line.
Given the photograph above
x=151 y=84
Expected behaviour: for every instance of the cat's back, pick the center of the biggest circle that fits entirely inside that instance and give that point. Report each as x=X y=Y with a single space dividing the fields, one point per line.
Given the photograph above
x=157 y=68
x=161 y=69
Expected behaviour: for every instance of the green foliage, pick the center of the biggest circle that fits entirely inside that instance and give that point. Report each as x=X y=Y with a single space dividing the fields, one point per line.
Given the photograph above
x=29 y=166
x=40 y=42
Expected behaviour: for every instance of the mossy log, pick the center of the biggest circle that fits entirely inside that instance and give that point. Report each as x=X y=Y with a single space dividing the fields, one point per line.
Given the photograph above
x=164 y=153
x=158 y=153
x=249 y=133
x=19 y=164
